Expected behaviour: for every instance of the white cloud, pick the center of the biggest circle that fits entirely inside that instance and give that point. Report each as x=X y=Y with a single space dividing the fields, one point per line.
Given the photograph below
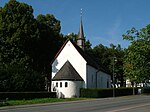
x=96 y=40
x=107 y=41
x=112 y=35
x=113 y=31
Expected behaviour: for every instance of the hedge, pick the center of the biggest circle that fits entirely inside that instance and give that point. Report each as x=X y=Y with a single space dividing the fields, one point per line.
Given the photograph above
x=26 y=95
x=107 y=92
x=146 y=90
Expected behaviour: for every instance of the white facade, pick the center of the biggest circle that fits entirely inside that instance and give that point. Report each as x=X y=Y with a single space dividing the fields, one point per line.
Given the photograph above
x=67 y=89
x=72 y=55
x=97 y=78
x=92 y=77
x=128 y=84
x=103 y=80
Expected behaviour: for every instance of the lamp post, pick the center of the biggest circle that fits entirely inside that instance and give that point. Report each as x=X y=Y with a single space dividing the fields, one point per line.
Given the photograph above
x=114 y=60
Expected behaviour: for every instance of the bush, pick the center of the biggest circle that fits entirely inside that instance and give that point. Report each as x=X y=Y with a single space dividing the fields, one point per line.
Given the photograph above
x=26 y=95
x=106 y=92
x=146 y=90
x=18 y=78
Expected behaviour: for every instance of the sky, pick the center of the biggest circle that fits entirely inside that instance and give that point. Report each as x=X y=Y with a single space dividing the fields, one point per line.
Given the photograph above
x=104 y=21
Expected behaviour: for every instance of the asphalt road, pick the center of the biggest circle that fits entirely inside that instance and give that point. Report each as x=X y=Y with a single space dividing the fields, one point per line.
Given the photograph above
x=119 y=104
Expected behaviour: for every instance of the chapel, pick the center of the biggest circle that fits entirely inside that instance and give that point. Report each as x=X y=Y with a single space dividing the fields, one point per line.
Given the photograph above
x=73 y=69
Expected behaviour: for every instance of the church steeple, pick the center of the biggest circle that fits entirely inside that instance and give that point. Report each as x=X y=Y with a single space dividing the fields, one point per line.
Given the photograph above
x=81 y=39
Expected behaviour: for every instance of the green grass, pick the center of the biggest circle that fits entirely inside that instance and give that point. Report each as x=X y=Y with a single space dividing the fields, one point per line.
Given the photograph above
x=36 y=101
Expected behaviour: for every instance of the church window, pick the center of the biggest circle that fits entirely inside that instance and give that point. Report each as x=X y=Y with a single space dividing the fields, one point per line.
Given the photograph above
x=54 y=89
x=107 y=84
x=56 y=84
x=60 y=84
x=66 y=84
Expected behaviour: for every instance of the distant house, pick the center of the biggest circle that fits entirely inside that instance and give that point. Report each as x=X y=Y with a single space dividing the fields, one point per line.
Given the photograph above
x=129 y=84
x=73 y=69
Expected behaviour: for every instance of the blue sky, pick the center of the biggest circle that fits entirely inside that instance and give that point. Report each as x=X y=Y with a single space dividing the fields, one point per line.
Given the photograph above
x=104 y=21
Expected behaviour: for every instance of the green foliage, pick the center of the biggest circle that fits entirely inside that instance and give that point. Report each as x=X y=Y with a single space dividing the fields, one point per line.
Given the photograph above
x=17 y=36
x=106 y=92
x=104 y=56
x=26 y=95
x=27 y=46
x=73 y=37
x=96 y=93
x=137 y=60
x=146 y=90
x=88 y=46
x=19 y=78
x=17 y=27
x=38 y=100
x=48 y=43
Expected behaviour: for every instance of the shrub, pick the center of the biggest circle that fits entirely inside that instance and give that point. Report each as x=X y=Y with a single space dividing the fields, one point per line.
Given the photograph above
x=26 y=95
x=106 y=92
x=146 y=90
x=95 y=93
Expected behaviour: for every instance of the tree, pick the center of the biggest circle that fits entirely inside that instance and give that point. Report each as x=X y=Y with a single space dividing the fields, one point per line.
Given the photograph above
x=48 y=43
x=18 y=32
x=119 y=73
x=18 y=78
x=74 y=37
x=27 y=43
x=17 y=28
x=104 y=56
x=137 y=60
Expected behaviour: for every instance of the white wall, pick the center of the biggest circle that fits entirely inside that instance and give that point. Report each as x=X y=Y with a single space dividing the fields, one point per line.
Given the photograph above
x=103 y=80
x=91 y=77
x=71 y=54
x=128 y=83
x=73 y=89
x=101 y=77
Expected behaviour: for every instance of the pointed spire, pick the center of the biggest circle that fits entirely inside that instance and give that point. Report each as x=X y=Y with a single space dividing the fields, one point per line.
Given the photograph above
x=81 y=33
x=81 y=39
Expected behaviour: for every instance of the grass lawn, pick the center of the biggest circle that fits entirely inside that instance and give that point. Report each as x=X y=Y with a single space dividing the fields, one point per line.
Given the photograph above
x=36 y=101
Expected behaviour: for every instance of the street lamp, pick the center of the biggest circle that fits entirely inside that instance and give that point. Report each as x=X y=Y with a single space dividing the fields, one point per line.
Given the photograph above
x=114 y=60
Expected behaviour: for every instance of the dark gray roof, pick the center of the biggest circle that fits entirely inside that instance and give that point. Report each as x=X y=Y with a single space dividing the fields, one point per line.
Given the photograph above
x=89 y=59
x=81 y=33
x=67 y=72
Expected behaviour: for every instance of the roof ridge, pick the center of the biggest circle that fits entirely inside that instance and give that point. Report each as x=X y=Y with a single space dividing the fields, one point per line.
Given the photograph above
x=85 y=55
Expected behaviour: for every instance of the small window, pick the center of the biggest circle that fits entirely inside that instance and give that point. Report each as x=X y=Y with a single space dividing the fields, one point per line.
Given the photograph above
x=66 y=84
x=60 y=84
x=56 y=84
x=107 y=83
x=54 y=89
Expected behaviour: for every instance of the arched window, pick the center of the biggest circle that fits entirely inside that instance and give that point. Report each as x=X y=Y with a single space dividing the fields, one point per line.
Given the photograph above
x=54 y=89
x=56 y=84
x=60 y=84
x=107 y=83
x=66 y=84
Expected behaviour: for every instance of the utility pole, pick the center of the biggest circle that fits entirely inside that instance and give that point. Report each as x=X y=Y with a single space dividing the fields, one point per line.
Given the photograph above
x=114 y=60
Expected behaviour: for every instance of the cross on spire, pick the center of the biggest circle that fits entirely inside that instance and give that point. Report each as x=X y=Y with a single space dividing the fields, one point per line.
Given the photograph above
x=81 y=12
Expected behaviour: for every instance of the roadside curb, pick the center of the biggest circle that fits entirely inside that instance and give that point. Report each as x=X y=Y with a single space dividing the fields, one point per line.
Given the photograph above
x=59 y=103
x=53 y=103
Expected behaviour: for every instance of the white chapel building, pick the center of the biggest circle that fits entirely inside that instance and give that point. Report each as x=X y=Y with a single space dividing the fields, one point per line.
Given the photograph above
x=73 y=69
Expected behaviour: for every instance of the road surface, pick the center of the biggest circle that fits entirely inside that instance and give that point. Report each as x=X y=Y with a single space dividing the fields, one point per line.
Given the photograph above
x=139 y=103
